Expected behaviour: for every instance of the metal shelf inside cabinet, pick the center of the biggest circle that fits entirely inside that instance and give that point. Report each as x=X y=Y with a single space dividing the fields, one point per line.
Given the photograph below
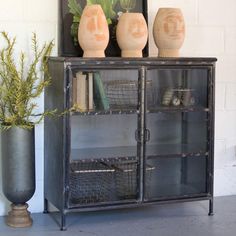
x=107 y=161
x=103 y=153
x=176 y=150
x=177 y=109
x=107 y=112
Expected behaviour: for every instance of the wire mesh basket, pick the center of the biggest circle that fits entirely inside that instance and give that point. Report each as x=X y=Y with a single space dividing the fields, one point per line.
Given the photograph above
x=124 y=93
x=90 y=182
x=126 y=177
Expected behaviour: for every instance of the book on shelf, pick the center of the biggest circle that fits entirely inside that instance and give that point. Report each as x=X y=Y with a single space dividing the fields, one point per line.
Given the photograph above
x=83 y=91
x=81 y=87
x=100 y=99
x=74 y=90
x=90 y=91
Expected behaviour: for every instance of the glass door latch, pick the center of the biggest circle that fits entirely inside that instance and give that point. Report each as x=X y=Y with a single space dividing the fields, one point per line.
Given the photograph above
x=138 y=135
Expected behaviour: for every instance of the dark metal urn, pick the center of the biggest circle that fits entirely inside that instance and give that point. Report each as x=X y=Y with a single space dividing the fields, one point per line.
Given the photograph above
x=18 y=173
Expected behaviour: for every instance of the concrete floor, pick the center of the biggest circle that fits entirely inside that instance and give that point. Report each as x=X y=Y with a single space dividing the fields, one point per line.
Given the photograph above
x=182 y=219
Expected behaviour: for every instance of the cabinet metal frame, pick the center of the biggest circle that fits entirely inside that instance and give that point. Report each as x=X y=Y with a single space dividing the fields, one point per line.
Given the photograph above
x=60 y=68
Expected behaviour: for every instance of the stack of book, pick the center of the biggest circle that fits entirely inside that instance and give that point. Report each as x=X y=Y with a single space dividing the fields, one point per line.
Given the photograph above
x=89 y=92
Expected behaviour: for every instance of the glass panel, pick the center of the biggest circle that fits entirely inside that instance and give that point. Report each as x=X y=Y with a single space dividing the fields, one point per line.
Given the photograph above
x=178 y=89
x=103 y=157
x=179 y=133
x=175 y=177
x=105 y=90
x=177 y=121
x=104 y=136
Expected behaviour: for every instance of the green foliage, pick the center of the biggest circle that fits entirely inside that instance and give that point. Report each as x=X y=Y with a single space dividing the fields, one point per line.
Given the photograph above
x=76 y=10
x=21 y=84
x=128 y=4
x=107 y=6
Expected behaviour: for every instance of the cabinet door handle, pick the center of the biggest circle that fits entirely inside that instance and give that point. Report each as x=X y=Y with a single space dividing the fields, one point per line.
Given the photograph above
x=137 y=136
x=147 y=135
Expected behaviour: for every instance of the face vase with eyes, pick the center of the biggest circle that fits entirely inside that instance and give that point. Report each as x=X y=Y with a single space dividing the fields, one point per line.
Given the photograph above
x=173 y=26
x=169 y=31
x=93 y=32
x=131 y=34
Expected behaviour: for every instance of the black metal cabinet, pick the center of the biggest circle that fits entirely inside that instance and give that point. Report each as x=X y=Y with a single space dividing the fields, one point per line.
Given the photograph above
x=147 y=135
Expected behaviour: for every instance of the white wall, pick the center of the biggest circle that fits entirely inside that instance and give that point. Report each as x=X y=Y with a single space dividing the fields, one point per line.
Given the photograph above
x=211 y=31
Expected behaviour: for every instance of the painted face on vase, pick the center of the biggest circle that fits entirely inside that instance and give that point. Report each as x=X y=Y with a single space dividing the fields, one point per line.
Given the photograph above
x=132 y=31
x=93 y=31
x=137 y=28
x=171 y=26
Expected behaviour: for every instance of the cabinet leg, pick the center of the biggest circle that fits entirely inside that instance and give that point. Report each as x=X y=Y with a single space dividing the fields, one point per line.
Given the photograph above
x=211 y=213
x=45 y=211
x=63 y=221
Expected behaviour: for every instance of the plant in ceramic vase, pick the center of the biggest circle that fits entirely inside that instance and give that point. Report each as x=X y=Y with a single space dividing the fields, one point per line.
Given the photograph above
x=20 y=85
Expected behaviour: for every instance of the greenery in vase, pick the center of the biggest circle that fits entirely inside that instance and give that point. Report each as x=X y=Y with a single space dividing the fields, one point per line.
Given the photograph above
x=76 y=10
x=21 y=84
x=128 y=4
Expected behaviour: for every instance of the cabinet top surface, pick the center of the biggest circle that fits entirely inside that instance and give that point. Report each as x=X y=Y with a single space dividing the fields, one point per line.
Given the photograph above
x=136 y=61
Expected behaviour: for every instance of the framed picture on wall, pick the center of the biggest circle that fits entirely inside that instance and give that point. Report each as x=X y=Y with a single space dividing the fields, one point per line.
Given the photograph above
x=69 y=22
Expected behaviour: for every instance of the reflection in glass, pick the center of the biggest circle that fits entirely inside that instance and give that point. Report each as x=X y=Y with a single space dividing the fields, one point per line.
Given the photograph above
x=174 y=177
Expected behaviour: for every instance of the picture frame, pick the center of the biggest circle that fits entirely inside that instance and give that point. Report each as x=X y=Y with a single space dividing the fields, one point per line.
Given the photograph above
x=66 y=44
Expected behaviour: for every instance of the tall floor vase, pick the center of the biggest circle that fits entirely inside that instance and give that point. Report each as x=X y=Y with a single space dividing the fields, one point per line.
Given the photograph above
x=18 y=173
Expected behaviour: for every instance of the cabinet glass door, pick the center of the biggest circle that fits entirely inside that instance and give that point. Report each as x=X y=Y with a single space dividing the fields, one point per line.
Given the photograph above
x=103 y=155
x=177 y=145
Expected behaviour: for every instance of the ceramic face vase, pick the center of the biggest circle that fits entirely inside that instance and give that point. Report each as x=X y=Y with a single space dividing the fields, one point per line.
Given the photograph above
x=132 y=34
x=169 y=31
x=93 y=32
